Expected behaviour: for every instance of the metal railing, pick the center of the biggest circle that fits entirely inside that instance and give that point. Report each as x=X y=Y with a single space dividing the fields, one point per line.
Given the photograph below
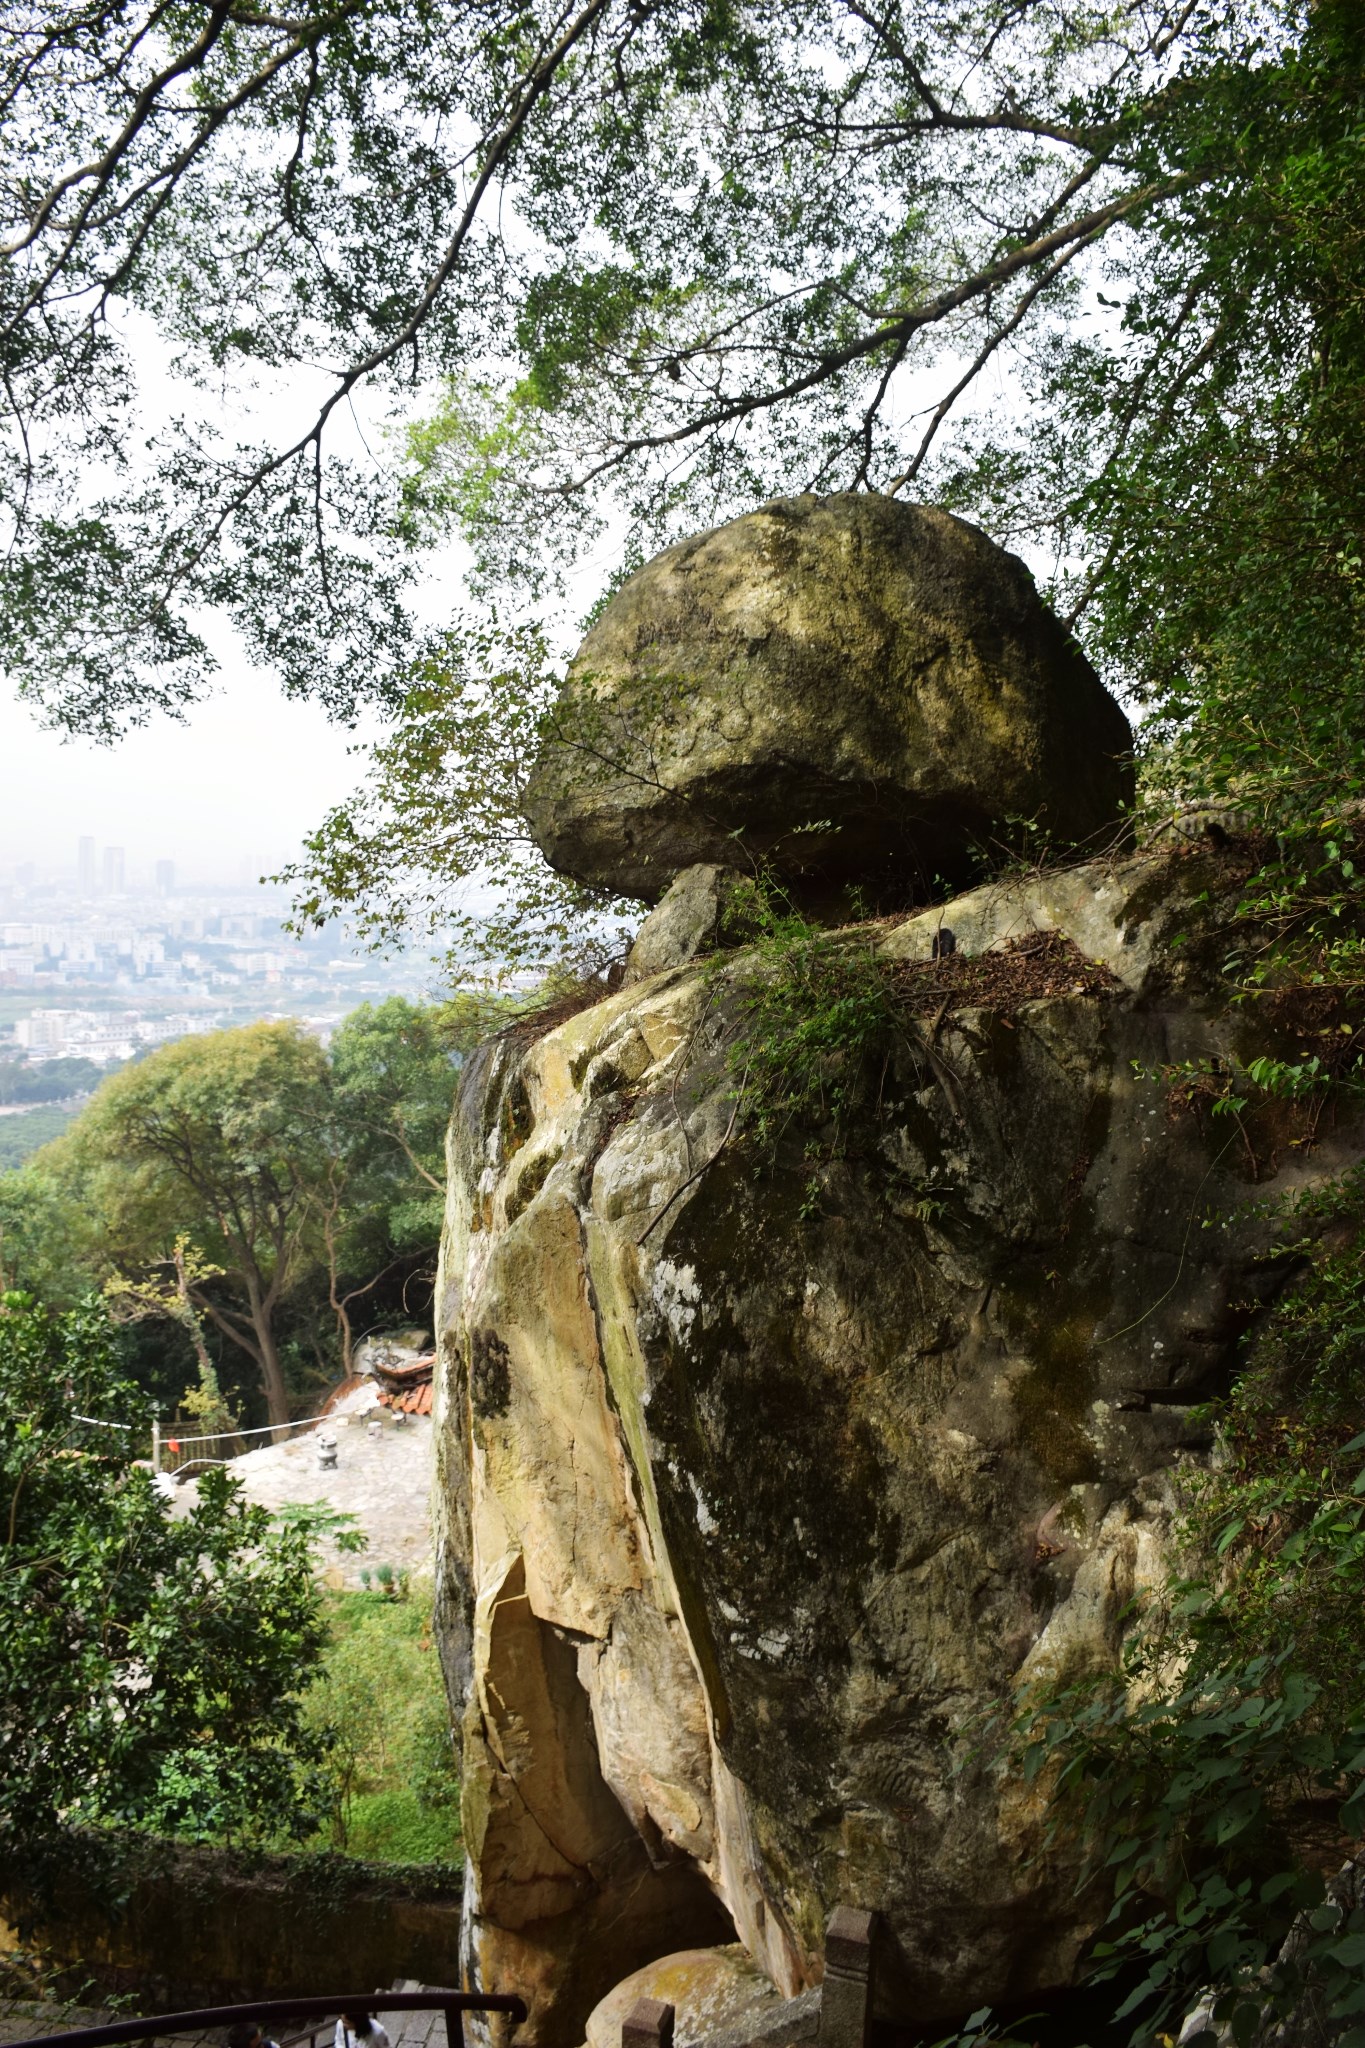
x=453 y=2004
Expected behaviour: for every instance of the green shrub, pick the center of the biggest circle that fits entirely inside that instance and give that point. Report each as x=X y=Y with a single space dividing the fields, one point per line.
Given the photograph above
x=394 y=1779
x=814 y=1023
x=395 y=1827
x=1223 y=1769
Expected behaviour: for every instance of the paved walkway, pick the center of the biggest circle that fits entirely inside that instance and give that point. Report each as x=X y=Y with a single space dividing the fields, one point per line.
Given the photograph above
x=22 y=2020
x=383 y=1477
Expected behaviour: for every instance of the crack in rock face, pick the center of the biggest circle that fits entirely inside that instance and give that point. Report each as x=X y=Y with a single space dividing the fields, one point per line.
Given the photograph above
x=849 y=691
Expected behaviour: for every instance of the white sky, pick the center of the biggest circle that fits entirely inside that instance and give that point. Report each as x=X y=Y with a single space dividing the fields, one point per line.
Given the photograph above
x=230 y=792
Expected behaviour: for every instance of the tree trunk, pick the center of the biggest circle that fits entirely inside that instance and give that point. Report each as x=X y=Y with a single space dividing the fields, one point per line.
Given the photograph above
x=347 y=1338
x=338 y=1302
x=188 y=1314
x=272 y=1376
x=260 y=1349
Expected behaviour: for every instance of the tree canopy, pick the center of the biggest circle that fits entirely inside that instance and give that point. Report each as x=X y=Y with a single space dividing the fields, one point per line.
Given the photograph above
x=250 y=1184
x=636 y=263
x=218 y=1136
x=153 y=1668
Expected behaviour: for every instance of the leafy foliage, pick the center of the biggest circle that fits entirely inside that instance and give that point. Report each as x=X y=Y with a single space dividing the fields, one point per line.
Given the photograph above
x=1191 y=366
x=1223 y=1771
x=439 y=839
x=825 y=1026
x=154 y=1668
x=639 y=269
x=245 y=1185
x=392 y=1770
x=23 y=1135
x=815 y=1018
x=748 y=249
x=53 y=1081
x=216 y=1138
x=1196 y=454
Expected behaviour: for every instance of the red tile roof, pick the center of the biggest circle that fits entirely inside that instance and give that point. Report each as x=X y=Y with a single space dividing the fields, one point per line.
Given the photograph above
x=417 y=1401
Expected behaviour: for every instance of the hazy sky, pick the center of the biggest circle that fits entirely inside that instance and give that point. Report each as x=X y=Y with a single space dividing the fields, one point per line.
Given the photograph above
x=235 y=787
x=249 y=773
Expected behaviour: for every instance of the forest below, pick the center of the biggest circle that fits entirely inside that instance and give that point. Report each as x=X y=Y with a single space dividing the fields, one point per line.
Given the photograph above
x=325 y=1167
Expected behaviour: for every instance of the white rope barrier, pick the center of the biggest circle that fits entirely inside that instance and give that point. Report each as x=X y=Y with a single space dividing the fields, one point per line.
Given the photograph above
x=267 y=1429
x=213 y=1436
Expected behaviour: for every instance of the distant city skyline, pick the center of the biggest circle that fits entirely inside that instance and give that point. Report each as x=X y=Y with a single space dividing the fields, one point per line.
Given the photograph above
x=97 y=871
x=226 y=797
x=101 y=871
x=103 y=976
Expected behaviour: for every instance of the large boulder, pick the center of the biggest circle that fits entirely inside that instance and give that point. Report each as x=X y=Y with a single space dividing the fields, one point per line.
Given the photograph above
x=714 y=1992
x=847 y=690
x=756 y=1502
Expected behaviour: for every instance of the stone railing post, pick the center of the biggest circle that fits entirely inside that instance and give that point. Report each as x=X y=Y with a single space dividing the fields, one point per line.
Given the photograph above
x=846 y=1997
x=648 y=2024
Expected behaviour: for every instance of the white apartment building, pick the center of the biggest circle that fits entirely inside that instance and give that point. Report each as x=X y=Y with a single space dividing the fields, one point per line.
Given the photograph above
x=44 y=1031
x=89 y=1034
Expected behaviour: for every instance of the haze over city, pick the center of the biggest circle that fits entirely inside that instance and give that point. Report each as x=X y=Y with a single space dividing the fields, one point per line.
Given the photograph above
x=227 y=795
x=133 y=908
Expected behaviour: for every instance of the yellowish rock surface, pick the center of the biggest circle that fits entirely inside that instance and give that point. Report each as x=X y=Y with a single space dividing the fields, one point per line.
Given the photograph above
x=712 y=1991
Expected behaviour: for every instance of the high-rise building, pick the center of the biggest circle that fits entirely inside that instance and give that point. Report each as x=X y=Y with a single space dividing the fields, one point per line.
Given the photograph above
x=85 y=865
x=113 y=870
x=165 y=878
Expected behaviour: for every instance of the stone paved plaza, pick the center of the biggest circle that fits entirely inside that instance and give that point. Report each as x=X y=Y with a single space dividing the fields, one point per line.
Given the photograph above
x=383 y=1479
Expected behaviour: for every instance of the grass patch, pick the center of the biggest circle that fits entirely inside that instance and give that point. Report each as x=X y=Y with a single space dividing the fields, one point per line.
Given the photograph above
x=395 y=1827
x=396 y=1788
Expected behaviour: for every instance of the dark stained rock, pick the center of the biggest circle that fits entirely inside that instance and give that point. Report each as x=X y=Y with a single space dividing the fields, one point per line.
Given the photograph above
x=787 y=1493
x=847 y=690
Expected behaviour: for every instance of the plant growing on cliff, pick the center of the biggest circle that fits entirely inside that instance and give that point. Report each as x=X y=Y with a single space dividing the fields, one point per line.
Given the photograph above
x=152 y=1668
x=823 y=1019
x=1221 y=1775
x=815 y=1020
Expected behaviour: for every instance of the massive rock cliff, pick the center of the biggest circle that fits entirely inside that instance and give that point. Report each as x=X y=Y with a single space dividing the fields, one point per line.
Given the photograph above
x=755 y=1504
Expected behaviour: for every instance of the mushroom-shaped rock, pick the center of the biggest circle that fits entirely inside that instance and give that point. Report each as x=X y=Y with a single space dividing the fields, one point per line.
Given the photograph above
x=845 y=690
